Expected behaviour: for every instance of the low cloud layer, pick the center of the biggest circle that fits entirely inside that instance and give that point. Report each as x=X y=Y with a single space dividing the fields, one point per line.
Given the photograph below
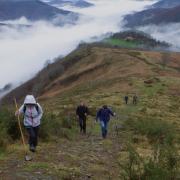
x=24 y=50
x=167 y=32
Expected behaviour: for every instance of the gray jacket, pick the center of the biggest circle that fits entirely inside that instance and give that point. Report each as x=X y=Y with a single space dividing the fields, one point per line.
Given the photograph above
x=32 y=115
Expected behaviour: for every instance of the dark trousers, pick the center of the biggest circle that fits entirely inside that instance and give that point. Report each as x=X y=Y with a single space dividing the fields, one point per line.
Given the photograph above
x=82 y=124
x=135 y=101
x=33 y=135
x=126 y=100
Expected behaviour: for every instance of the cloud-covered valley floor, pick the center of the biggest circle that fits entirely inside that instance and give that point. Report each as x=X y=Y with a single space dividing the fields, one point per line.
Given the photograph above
x=24 y=51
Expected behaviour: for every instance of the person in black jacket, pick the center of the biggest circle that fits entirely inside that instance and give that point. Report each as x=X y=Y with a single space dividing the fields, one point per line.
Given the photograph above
x=126 y=99
x=82 y=112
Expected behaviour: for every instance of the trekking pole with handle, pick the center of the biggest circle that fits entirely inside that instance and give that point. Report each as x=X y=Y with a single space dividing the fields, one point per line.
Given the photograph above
x=27 y=157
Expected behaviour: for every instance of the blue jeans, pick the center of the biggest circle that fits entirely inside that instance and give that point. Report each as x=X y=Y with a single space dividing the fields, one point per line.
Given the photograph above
x=104 y=127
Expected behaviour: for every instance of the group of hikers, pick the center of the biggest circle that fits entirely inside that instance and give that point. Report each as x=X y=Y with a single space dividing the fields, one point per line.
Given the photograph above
x=134 y=99
x=32 y=112
x=103 y=115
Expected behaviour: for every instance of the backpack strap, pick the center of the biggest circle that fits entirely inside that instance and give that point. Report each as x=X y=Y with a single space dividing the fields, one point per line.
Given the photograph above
x=24 y=109
x=37 y=108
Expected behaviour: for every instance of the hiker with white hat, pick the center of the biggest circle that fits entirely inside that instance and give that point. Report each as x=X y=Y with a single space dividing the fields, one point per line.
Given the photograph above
x=32 y=112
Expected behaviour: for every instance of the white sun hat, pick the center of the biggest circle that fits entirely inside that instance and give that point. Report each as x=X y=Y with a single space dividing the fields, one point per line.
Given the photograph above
x=30 y=99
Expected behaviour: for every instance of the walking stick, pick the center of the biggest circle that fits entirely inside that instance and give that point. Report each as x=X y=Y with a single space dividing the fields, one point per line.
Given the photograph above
x=27 y=157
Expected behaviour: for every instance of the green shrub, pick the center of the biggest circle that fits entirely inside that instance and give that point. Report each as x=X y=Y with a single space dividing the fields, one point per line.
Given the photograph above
x=162 y=166
x=132 y=167
x=154 y=171
x=156 y=130
x=68 y=122
x=56 y=126
x=9 y=128
x=49 y=126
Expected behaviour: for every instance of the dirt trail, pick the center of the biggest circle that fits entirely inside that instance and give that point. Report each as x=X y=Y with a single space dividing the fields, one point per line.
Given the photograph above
x=85 y=157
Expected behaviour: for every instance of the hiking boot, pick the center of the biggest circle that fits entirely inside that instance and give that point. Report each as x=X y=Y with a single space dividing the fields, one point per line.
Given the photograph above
x=32 y=149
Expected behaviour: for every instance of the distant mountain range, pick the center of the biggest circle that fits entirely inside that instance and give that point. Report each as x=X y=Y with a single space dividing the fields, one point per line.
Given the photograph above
x=33 y=10
x=166 y=4
x=76 y=3
x=162 y=12
x=5 y=89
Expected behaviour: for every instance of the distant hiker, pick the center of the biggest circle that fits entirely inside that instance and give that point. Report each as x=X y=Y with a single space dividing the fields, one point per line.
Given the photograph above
x=126 y=99
x=135 y=98
x=82 y=113
x=32 y=112
x=104 y=115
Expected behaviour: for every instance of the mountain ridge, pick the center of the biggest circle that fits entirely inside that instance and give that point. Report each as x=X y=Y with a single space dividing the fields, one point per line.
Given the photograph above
x=77 y=3
x=153 y=16
x=33 y=10
x=166 y=4
x=58 y=76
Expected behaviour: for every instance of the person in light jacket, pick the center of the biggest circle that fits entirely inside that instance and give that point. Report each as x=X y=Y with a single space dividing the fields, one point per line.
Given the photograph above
x=32 y=112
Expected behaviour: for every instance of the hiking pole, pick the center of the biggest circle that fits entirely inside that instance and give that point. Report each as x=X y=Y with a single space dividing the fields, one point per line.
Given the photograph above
x=27 y=157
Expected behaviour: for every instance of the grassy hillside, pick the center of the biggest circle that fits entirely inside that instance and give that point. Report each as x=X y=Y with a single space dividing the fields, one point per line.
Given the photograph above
x=121 y=43
x=135 y=39
x=143 y=141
